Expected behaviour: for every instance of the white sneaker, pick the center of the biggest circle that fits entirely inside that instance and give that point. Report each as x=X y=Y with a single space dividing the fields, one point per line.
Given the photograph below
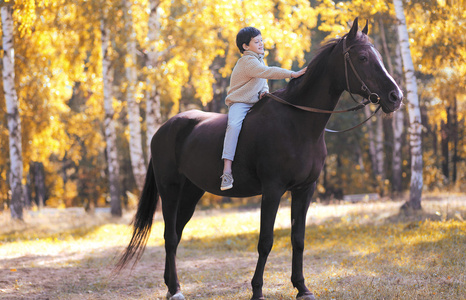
x=227 y=181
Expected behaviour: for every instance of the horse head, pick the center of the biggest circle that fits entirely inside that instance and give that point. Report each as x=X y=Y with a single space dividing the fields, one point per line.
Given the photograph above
x=364 y=72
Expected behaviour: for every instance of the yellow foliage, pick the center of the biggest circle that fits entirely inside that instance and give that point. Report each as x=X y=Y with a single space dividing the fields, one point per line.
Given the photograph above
x=197 y=32
x=172 y=75
x=438 y=37
x=59 y=59
x=337 y=15
x=59 y=68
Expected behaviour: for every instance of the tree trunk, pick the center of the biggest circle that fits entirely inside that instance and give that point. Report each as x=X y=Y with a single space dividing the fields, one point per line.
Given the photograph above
x=379 y=145
x=398 y=125
x=110 y=133
x=371 y=139
x=13 y=118
x=414 y=112
x=445 y=134
x=38 y=172
x=219 y=86
x=27 y=192
x=153 y=115
x=454 y=133
x=397 y=170
x=134 y=115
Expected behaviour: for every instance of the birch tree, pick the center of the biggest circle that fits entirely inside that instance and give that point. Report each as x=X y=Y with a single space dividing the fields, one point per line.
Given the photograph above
x=397 y=124
x=134 y=115
x=414 y=112
x=109 y=125
x=153 y=115
x=371 y=140
x=60 y=81
x=13 y=118
x=379 y=149
x=438 y=48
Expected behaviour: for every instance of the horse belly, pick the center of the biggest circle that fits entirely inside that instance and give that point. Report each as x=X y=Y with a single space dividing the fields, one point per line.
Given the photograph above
x=202 y=164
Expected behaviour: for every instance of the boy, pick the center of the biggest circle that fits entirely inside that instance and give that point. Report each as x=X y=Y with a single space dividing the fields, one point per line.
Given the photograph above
x=248 y=84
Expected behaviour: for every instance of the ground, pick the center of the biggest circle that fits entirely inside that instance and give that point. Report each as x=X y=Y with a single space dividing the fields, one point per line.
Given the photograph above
x=353 y=251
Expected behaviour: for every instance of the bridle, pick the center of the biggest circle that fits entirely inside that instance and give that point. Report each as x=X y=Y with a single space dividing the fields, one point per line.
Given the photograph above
x=372 y=98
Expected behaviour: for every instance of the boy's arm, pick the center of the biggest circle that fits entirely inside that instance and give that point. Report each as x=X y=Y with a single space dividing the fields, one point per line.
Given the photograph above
x=253 y=68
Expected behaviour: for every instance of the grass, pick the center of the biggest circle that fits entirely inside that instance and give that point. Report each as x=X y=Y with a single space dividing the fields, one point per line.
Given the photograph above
x=353 y=251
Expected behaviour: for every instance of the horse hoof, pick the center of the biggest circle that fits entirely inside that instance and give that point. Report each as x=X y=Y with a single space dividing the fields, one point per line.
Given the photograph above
x=306 y=297
x=177 y=296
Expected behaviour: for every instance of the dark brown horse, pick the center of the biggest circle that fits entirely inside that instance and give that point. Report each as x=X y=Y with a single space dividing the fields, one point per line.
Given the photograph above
x=281 y=148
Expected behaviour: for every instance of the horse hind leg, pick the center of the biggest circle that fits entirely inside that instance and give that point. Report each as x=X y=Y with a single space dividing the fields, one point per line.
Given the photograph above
x=190 y=196
x=169 y=195
x=178 y=204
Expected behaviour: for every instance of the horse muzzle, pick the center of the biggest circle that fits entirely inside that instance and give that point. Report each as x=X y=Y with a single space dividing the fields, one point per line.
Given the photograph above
x=393 y=101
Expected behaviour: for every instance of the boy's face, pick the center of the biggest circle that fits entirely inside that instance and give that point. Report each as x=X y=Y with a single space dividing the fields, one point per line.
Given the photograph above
x=255 y=45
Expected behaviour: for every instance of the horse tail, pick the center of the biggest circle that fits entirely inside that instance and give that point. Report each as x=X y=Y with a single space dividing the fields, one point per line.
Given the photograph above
x=142 y=222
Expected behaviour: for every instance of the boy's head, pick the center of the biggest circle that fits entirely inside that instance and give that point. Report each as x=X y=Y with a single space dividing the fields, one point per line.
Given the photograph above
x=245 y=35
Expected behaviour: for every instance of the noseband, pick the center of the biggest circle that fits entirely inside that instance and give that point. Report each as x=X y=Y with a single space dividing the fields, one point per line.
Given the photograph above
x=373 y=97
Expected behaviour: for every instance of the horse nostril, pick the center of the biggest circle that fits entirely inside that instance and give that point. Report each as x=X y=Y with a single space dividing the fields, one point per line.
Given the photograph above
x=393 y=96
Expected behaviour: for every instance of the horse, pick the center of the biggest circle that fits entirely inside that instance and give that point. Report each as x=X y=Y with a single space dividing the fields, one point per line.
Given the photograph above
x=281 y=148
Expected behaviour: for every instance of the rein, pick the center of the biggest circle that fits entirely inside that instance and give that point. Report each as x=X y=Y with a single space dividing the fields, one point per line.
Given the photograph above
x=323 y=111
x=317 y=110
x=372 y=98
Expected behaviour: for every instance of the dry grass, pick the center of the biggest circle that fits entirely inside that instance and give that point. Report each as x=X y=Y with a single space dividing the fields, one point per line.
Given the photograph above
x=353 y=251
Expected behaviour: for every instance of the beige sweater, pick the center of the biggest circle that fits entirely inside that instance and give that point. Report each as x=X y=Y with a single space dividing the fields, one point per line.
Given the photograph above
x=249 y=78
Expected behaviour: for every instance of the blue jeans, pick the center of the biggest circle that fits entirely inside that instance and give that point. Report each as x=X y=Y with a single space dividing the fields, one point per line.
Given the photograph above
x=236 y=114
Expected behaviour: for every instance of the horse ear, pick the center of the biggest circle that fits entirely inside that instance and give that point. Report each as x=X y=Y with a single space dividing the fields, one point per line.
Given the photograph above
x=366 y=28
x=354 y=30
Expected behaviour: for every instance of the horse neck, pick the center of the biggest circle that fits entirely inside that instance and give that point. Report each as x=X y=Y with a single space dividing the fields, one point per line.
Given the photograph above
x=321 y=94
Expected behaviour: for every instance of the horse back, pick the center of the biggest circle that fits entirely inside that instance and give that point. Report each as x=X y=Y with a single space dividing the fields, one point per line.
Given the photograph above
x=169 y=141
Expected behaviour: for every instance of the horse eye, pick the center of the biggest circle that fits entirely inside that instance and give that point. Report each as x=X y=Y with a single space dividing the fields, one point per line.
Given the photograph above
x=363 y=58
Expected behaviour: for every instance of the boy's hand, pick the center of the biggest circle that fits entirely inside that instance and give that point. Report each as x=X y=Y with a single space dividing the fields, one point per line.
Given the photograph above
x=299 y=73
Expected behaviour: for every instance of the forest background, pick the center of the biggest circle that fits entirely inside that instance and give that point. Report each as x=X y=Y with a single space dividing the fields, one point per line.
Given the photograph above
x=95 y=79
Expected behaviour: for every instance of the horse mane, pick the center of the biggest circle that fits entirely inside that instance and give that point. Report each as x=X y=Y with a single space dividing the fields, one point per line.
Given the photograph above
x=298 y=87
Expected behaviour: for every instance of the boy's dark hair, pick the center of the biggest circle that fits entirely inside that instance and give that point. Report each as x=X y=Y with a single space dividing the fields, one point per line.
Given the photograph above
x=245 y=35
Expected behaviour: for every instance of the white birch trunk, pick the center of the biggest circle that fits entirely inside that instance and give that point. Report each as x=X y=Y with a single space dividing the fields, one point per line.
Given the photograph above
x=153 y=115
x=13 y=118
x=134 y=115
x=414 y=112
x=397 y=171
x=397 y=124
x=379 y=153
x=379 y=136
x=372 y=148
x=109 y=124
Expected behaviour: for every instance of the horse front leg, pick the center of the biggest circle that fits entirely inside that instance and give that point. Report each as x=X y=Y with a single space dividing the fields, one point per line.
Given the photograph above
x=269 y=208
x=301 y=198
